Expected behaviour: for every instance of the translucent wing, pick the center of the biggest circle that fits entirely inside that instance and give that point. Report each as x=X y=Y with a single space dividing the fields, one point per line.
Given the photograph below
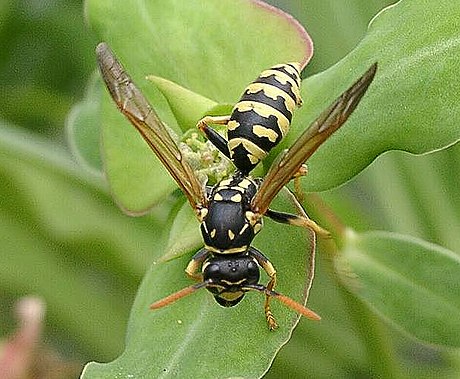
x=136 y=108
x=289 y=162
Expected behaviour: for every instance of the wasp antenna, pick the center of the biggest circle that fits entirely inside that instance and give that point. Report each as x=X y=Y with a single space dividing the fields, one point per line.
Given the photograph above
x=299 y=308
x=287 y=301
x=177 y=295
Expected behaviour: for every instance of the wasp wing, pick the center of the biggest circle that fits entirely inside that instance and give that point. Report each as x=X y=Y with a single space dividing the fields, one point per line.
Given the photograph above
x=140 y=113
x=290 y=161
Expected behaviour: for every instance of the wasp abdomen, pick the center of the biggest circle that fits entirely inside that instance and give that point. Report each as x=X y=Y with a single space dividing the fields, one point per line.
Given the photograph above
x=262 y=116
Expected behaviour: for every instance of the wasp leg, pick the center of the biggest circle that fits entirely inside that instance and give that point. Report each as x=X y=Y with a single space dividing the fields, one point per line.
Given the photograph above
x=303 y=170
x=217 y=140
x=297 y=220
x=283 y=217
x=292 y=219
x=263 y=261
x=195 y=263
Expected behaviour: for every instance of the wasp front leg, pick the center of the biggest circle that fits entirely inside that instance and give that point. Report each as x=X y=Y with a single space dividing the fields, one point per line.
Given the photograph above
x=263 y=261
x=218 y=141
x=195 y=264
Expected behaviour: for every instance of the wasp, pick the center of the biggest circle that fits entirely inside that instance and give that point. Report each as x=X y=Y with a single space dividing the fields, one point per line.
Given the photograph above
x=230 y=213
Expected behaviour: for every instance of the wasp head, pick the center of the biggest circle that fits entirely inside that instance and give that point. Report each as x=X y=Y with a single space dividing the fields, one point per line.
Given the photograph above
x=228 y=276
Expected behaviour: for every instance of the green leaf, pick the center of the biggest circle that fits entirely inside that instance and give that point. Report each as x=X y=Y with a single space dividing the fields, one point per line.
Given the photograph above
x=187 y=106
x=42 y=239
x=199 y=44
x=412 y=104
x=336 y=27
x=137 y=178
x=197 y=338
x=185 y=235
x=83 y=126
x=421 y=199
x=412 y=283
x=61 y=240
x=206 y=47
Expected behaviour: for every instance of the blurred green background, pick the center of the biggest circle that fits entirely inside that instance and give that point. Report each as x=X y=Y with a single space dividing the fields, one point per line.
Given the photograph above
x=65 y=240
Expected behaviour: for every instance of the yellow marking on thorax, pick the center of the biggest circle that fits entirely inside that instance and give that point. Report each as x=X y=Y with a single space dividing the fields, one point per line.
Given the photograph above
x=243 y=229
x=228 y=187
x=231 y=235
x=234 y=250
x=203 y=213
x=257 y=227
x=236 y=198
x=245 y=183
x=250 y=216
x=213 y=233
x=225 y=182
x=218 y=197
x=205 y=227
x=239 y=189
x=255 y=220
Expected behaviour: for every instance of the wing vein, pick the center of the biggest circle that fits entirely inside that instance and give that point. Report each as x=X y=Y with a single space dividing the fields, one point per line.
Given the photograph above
x=140 y=113
x=289 y=162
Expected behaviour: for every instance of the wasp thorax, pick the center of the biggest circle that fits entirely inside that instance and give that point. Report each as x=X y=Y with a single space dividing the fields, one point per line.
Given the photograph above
x=225 y=227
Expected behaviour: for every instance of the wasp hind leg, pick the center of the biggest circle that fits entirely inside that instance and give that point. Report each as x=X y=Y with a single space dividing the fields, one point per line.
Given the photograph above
x=301 y=220
x=303 y=170
x=263 y=261
x=217 y=140
x=292 y=219
x=194 y=265
x=297 y=220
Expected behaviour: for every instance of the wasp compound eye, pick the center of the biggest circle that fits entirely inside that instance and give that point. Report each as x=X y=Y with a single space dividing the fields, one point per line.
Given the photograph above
x=252 y=273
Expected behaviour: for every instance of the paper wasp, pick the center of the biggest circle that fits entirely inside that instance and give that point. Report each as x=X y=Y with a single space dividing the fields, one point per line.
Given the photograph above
x=230 y=213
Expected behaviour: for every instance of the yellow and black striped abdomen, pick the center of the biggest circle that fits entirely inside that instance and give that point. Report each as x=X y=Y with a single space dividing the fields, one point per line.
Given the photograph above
x=262 y=117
